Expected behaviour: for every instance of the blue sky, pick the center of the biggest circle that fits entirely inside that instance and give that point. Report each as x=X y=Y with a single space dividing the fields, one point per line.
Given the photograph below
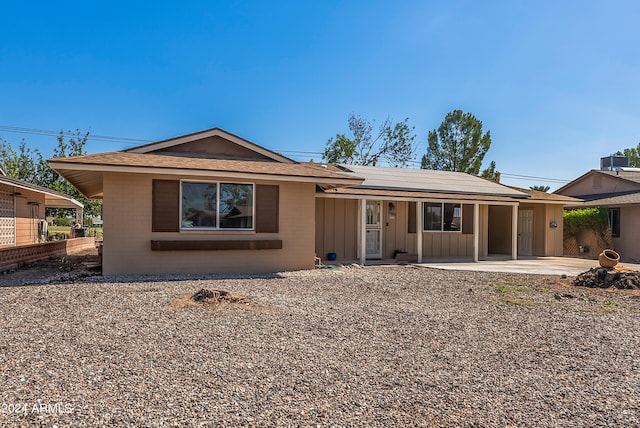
x=556 y=83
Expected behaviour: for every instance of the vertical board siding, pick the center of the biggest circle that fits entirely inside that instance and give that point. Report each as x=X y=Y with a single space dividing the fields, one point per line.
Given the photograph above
x=336 y=228
x=446 y=245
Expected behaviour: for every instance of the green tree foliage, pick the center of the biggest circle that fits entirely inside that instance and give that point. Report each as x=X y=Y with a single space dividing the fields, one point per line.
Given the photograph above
x=72 y=144
x=29 y=165
x=587 y=218
x=541 y=188
x=23 y=164
x=392 y=143
x=459 y=145
x=633 y=154
x=491 y=173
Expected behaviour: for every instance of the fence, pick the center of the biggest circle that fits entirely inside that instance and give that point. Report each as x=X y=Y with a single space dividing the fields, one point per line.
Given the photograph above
x=12 y=256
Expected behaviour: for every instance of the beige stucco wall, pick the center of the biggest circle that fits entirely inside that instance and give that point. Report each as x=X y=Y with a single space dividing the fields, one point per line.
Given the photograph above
x=627 y=245
x=599 y=183
x=127 y=233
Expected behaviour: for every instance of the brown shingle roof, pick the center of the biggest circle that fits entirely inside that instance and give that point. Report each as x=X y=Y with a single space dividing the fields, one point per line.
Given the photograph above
x=537 y=195
x=138 y=160
x=609 y=199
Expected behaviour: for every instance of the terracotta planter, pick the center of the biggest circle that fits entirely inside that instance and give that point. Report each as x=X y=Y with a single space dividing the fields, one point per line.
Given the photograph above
x=608 y=258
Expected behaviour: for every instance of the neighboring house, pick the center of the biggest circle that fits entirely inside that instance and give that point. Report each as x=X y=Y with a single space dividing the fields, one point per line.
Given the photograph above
x=618 y=190
x=214 y=202
x=22 y=211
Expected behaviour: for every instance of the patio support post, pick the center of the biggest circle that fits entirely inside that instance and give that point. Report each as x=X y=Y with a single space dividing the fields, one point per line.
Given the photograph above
x=476 y=232
x=514 y=233
x=79 y=216
x=363 y=231
x=419 y=230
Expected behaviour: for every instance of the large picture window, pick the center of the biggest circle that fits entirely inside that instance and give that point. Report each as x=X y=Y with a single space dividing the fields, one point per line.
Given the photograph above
x=212 y=205
x=442 y=217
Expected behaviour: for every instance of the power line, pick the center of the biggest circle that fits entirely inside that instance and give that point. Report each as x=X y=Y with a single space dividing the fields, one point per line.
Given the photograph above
x=33 y=131
x=128 y=140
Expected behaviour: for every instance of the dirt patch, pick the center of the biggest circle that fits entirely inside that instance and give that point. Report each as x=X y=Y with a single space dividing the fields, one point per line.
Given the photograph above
x=216 y=300
x=76 y=266
x=623 y=279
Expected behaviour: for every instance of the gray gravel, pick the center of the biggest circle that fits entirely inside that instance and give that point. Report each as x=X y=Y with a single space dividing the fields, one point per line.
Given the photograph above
x=383 y=346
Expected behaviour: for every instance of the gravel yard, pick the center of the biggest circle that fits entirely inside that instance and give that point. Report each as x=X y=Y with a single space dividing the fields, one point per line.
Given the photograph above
x=378 y=346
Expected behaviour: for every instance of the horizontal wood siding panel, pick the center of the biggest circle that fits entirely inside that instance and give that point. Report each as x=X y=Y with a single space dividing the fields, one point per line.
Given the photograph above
x=216 y=245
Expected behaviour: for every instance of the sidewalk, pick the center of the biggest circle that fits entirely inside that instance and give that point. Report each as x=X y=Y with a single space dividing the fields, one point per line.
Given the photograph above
x=531 y=265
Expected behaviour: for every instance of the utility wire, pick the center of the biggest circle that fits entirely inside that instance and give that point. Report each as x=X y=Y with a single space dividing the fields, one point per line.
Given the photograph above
x=33 y=131
x=297 y=153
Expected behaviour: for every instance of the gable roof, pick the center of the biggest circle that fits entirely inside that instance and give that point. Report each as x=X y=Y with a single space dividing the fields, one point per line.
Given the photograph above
x=629 y=176
x=609 y=199
x=52 y=198
x=209 y=136
x=428 y=181
x=85 y=172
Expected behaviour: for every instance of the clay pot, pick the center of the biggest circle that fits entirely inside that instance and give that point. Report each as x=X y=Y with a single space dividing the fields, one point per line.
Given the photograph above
x=608 y=258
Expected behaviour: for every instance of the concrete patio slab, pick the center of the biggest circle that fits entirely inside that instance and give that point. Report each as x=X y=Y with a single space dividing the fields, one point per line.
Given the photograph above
x=532 y=265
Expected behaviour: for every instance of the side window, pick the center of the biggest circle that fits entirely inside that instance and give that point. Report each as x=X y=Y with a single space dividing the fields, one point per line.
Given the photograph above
x=443 y=217
x=614 y=221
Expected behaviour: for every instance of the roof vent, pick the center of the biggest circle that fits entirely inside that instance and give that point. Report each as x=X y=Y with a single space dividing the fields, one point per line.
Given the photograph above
x=613 y=162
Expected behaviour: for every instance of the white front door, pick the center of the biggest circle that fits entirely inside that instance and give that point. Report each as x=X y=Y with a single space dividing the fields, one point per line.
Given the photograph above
x=525 y=232
x=373 y=229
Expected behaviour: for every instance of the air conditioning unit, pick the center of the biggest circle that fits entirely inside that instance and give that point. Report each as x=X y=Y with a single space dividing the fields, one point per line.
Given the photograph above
x=613 y=162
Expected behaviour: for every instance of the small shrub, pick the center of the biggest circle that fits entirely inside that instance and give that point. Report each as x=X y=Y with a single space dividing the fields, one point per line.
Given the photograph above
x=62 y=221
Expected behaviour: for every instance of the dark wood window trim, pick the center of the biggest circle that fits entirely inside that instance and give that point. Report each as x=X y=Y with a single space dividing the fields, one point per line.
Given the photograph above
x=216 y=245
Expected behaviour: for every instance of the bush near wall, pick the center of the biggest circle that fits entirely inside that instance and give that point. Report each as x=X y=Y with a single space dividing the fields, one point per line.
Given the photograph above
x=587 y=228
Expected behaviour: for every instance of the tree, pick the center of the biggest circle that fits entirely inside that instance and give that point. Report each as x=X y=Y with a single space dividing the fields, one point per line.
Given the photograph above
x=491 y=173
x=25 y=164
x=459 y=145
x=393 y=144
x=540 y=188
x=29 y=165
x=72 y=144
x=633 y=154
